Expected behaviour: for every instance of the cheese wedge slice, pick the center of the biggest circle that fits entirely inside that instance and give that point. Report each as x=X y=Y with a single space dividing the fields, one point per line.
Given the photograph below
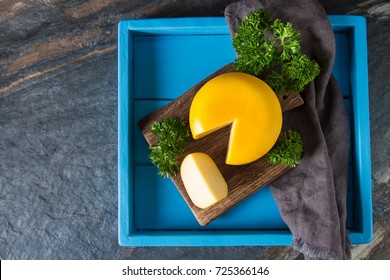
x=202 y=180
x=245 y=102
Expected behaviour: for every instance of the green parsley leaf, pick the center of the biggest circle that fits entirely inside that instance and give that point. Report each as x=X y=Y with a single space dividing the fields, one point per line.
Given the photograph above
x=272 y=49
x=173 y=134
x=287 y=150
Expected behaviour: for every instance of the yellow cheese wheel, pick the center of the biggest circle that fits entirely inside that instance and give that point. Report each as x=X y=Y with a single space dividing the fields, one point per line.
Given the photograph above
x=245 y=102
x=202 y=180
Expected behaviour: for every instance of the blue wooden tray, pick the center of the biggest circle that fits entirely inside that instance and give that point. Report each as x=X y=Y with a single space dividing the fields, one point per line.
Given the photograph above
x=158 y=60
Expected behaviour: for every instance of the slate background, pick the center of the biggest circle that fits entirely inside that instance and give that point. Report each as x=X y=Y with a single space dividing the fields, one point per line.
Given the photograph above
x=58 y=129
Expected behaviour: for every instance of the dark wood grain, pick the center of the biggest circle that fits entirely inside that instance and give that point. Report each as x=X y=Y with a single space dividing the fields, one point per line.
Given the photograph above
x=242 y=180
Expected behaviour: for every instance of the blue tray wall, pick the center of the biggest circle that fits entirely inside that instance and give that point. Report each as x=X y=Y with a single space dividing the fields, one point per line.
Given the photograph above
x=154 y=52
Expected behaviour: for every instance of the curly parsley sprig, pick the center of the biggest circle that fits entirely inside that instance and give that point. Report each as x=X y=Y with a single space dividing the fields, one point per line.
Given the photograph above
x=271 y=48
x=172 y=134
x=287 y=150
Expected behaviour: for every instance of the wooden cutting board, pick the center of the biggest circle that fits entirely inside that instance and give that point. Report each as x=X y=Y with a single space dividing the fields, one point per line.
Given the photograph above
x=242 y=180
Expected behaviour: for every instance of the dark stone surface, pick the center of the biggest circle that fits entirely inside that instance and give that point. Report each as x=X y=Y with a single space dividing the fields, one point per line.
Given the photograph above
x=58 y=129
x=58 y=162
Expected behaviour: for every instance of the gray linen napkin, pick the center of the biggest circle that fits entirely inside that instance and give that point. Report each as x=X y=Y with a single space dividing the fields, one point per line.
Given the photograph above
x=312 y=197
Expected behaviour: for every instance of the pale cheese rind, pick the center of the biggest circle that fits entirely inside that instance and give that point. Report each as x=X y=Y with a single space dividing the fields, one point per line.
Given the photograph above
x=202 y=180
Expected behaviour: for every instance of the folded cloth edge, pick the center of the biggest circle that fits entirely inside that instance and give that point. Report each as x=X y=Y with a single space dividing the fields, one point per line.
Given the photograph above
x=312 y=251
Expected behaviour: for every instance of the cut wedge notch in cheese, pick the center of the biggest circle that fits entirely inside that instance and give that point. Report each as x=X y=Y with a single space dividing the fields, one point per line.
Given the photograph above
x=202 y=180
x=245 y=102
